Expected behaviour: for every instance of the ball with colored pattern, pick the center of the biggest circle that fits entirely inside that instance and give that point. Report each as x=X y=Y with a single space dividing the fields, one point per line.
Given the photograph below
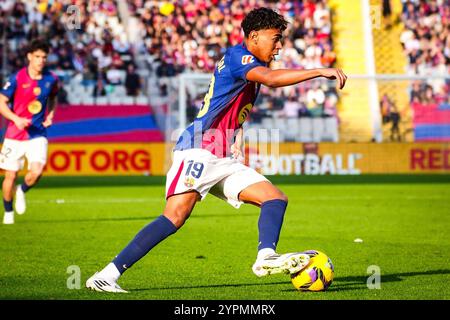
x=318 y=274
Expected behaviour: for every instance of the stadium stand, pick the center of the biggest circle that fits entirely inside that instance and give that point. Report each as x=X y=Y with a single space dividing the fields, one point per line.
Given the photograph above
x=191 y=37
x=349 y=36
x=91 y=59
x=389 y=58
x=426 y=43
x=97 y=61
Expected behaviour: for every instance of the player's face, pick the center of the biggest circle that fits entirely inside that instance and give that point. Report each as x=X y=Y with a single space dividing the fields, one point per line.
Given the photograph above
x=269 y=44
x=37 y=60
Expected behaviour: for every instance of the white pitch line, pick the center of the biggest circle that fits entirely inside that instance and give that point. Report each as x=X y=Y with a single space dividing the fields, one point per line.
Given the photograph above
x=77 y=201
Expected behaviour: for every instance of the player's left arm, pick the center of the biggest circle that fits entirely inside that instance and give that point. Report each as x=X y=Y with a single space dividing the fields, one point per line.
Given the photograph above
x=287 y=77
x=237 y=148
x=51 y=107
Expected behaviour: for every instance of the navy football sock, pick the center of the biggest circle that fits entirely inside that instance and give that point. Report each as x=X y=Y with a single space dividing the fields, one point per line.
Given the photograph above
x=25 y=187
x=269 y=223
x=8 y=205
x=143 y=242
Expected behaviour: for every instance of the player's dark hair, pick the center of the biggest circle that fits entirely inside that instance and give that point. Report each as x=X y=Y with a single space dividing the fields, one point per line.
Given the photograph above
x=261 y=19
x=38 y=44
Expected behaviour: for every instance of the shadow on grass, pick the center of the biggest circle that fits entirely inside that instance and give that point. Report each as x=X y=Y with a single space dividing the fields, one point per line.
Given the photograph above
x=211 y=286
x=360 y=282
x=339 y=284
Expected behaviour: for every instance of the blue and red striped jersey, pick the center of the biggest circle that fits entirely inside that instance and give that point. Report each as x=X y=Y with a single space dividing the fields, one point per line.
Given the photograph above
x=226 y=105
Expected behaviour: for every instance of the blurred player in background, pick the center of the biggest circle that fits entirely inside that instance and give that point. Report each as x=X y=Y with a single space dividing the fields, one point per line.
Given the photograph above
x=207 y=155
x=28 y=101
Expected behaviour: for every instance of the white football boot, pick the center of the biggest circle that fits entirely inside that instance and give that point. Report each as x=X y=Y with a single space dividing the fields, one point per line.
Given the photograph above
x=288 y=263
x=8 y=218
x=100 y=284
x=20 y=204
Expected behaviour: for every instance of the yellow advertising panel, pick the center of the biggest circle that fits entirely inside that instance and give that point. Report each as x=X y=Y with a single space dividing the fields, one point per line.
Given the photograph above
x=95 y=159
x=106 y=159
x=357 y=158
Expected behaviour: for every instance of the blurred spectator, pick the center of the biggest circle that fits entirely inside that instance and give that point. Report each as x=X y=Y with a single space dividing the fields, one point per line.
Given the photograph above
x=395 y=119
x=132 y=81
x=315 y=100
x=387 y=13
x=386 y=108
x=292 y=107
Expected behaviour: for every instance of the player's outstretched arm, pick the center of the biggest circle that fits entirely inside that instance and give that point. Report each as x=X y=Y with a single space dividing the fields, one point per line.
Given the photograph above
x=20 y=123
x=287 y=77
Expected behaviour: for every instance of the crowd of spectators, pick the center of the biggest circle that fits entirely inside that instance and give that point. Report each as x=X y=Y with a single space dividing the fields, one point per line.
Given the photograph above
x=88 y=42
x=192 y=35
x=426 y=43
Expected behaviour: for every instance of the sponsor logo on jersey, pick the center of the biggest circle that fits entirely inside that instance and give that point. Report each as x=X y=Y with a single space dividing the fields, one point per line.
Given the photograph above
x=243 y=114
x=247 y=59
x=26 y=86
x=37 y=91
x=35 y=107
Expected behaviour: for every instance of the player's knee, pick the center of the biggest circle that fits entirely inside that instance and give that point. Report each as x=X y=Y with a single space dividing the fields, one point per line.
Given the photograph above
x=10 y=176
x=37 y=173
x=277 y=195
x=283 y=197
x=178 y=216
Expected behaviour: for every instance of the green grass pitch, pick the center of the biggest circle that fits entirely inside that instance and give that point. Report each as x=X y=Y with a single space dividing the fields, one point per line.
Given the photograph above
x=404 y=222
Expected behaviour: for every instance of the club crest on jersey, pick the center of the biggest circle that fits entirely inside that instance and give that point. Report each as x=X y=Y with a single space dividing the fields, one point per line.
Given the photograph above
x=35 y=107
x=189 y=182
x=37 y=91
x=247 y=59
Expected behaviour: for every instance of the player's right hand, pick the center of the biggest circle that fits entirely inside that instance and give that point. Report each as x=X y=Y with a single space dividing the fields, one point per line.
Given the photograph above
x=22 y=123
x=236 y=152
x=335 y=74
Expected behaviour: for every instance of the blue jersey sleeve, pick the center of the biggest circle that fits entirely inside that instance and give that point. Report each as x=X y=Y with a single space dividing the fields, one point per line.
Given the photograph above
x=242 y=62
x=9 y=87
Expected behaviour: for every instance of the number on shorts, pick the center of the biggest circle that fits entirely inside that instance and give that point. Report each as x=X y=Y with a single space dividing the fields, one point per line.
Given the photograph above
x=194 y=169
x=8 y=151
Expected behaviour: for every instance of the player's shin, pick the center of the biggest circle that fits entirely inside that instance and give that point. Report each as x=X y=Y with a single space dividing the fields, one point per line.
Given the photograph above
x=8 y=205
x=143 y=242
x=269 y=225
x=25 y=187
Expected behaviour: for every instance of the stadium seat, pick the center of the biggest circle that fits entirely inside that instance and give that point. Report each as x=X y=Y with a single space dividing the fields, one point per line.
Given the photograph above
x=102 y=100
x=292 y=129
x=280 y=123
x=141 y=99
x=87 y=100
x=267 y=123
x=331 y=132
x=317 y=129
x=306 y=130
x=74 y=99
x=128 y=100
